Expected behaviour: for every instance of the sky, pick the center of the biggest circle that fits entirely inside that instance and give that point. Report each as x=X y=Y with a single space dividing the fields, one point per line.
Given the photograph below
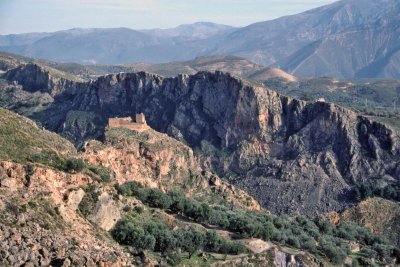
x=21 y=16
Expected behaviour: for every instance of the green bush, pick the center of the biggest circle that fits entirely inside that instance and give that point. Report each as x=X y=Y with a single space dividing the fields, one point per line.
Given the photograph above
x=88 y=201
x=177 y=201
x=299 y=232
x=127 y=233
x=154 y=198
x=74 y=165
x=129 y=189
x=157 y=237
x=104 y=173
x=293 y=241
x=336 y=254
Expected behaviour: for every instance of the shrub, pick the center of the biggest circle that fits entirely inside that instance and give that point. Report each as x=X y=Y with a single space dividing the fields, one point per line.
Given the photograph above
x=346 y=230
x=104 y=173
x=309 y=245
x=237 y=248
x=268 y=231
x=191 y=241
x=155 y=198
x=127 y=233
x=384 y=251
x=336 y=254
x=129 y=189
x=74 y=165
x=88 y=201
x=293 y=241
x=177 y=201
x=164 y=240
x=324 y=226
x=369 y=252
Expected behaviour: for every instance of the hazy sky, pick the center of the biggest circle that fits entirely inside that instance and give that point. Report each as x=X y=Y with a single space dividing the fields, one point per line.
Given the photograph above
x=17 y=16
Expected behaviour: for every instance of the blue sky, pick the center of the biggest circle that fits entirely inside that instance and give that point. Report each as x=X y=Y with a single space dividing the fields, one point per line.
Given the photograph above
x=18 y=16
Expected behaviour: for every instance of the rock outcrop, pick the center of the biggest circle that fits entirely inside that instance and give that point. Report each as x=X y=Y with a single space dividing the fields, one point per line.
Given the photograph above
x=34 y=78
x=34 y=246
x=379 y=215
x=292 y=156
x=156 y=160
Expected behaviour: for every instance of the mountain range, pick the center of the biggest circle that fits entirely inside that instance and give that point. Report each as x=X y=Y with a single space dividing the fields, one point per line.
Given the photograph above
x=345 y=39
x=226 y=171
x=204 y=144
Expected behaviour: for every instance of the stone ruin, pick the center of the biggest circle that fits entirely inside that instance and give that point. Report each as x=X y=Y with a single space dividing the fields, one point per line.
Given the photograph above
x=138 y=125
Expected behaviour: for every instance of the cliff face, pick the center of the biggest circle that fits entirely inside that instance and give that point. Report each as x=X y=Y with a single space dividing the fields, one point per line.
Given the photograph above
x=35 y=78
x=292 y=156
x=158 y=161
x=60 y=215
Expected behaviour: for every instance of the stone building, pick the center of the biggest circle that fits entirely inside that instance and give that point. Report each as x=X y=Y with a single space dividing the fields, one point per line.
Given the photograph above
x=127 y=122
x=140 y=118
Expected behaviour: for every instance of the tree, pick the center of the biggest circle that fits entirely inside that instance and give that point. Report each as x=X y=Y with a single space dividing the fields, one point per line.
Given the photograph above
x=158 y=199
x=177 y=201
x=237 y=248
x=191 y=241
x=74 y=165
x=214 y=243
x=268 y=231
x=336 y=254
x=128 y=233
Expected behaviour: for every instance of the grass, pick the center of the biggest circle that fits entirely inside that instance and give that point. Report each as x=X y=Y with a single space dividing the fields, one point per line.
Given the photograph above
x=116 y=134
x=22 y=141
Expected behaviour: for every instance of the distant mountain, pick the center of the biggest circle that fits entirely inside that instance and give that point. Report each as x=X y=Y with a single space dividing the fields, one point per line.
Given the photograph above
x=120 y=45
x=16 y=40
x=346 y=39
x=232 y=64
x=195 y=31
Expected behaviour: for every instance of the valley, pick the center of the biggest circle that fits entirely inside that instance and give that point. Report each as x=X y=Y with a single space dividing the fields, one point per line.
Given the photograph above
x=70 y=212
x=272 y=144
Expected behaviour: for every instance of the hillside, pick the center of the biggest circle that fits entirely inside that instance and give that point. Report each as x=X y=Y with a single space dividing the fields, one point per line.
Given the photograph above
x=29 y=142
x=377 y=99
x=378 y=215
x=146 y=212
x=346 y=39
x=250 y=136
x=234 y=65
x=271 y=73
x=324 y=41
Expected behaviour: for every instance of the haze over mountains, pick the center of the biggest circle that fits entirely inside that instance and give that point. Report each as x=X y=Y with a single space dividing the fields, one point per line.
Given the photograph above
x=347 y=39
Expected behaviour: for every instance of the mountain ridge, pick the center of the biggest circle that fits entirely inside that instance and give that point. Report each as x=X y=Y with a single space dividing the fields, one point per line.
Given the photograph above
x=300 y=44
x=254 y=137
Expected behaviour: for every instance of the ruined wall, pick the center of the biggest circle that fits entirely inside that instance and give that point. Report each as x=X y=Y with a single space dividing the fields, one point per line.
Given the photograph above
x=126 y=123
x=140 y=118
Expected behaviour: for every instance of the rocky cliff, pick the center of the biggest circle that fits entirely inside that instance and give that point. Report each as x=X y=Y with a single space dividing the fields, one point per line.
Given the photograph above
x=33 y=77
x=292 y=156
x=52 y=214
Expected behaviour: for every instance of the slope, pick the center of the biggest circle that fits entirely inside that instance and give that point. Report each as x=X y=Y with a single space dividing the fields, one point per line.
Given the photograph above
x=83 y=216
x=314 y=152
x=29 y=142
